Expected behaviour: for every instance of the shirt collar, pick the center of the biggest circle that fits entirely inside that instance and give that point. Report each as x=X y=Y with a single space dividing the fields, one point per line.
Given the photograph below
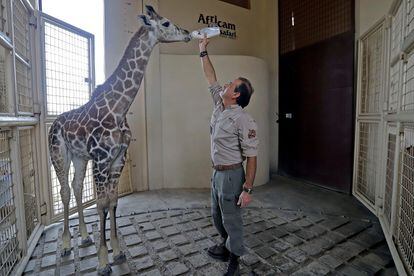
x=232 y=107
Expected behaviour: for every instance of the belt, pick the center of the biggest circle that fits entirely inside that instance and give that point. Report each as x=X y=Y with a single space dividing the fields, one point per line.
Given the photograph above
x=227 y=167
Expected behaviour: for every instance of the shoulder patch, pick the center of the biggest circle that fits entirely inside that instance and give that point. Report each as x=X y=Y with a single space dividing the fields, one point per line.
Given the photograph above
x=251 y=134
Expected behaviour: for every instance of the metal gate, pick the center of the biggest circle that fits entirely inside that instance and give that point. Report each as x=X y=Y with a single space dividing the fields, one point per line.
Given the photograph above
x=368 y=125
x=385 y=133
x=19 y=123
x=10 y=251
x=405 y=219
x=68 y=81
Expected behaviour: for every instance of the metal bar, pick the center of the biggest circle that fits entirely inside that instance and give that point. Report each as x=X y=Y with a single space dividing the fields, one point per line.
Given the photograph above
x=22 y=60
x=42 y=148
x=387 y=47
x=381 y=168
x=13 y=210
x=395 y=191
x=64 y=25
x=372 y=116
x=5 y=41
x=11 y=255
x=365 y=202
x=368 y=118
x=91 y=54
x=18 y=189
x=28 y=5
x=21 y=266
x=401 y=116
x=8 y=121
x=394 y=252
x=394 y=6
x=13 y=63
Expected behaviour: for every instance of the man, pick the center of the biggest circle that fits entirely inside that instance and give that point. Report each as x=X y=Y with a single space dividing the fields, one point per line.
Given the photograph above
x=233 y=139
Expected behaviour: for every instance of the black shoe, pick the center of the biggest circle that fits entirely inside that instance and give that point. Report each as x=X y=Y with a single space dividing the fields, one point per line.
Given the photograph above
x=233 y=268
x=219 y=252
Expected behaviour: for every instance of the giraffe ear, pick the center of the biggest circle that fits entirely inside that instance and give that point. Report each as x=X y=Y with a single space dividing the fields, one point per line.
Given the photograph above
x=151 y=12
x=145 y=21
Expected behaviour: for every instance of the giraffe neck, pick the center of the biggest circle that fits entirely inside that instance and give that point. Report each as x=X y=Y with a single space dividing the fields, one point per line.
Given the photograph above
x=120 y=89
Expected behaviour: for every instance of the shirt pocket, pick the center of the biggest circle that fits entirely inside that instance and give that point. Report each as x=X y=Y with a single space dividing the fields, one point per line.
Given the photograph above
x=228 y=128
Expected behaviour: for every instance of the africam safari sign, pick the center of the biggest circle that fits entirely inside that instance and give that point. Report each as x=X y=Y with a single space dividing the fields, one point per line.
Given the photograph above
x=226 y=29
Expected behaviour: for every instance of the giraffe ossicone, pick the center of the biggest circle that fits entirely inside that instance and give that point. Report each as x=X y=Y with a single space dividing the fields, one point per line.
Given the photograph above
x=98 y=131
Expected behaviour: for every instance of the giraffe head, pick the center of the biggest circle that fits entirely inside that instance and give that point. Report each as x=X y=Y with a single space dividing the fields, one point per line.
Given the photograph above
x=163 y=29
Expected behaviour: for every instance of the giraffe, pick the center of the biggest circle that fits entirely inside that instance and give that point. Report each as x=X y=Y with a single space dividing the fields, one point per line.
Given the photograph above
x=98 y=131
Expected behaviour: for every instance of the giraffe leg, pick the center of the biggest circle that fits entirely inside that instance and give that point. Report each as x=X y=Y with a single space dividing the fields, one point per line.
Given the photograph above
x=115 y=173
x=77 y=186
x=101 y=176
x=118 y=256
x=61 y=159
x=103 y=268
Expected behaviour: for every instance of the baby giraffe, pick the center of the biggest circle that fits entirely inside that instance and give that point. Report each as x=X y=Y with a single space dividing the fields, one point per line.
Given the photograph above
x=98 y=131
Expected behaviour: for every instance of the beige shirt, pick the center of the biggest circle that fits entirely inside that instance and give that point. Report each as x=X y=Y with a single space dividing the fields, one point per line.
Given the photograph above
x=233 y=132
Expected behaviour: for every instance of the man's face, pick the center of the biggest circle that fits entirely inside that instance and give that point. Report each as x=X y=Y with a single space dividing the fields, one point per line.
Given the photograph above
x=228 y=93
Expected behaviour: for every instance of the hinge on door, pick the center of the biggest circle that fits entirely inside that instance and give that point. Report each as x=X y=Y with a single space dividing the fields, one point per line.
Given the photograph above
x=36 y=108
x=43 y=209
x=33 y=21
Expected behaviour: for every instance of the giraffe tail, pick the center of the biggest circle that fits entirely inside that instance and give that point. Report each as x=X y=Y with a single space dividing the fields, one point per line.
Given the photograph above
x=54 y=134
x=57 y=147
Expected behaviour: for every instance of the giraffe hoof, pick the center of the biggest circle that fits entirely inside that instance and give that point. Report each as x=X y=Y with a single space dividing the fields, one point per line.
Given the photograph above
x=86 y=242
x=65 y=252
x=105 y=271
x=119 y=259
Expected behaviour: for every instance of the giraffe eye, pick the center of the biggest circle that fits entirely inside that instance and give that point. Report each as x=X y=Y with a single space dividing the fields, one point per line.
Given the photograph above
x=166 y=24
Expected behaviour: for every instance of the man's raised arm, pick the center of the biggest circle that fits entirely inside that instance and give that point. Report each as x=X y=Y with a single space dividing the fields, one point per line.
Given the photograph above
x=208 y=68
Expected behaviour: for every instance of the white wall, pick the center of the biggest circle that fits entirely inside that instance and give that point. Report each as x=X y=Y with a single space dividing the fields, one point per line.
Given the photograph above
x=368 y=12
x=152 y=151
x=257 y=36
x=186 y=112
x=120 y=24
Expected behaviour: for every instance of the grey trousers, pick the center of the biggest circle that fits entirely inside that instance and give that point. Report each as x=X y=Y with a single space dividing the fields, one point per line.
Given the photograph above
x=226 y=186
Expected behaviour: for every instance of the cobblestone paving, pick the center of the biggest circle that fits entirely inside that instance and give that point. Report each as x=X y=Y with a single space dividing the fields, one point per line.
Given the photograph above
x=174 y=242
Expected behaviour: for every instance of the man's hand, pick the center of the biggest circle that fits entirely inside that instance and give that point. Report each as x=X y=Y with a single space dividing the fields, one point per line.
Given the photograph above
x=244 y=199
x=202 y=43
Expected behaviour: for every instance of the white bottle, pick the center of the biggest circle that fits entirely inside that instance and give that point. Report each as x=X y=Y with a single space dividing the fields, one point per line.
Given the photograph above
x=209 y=31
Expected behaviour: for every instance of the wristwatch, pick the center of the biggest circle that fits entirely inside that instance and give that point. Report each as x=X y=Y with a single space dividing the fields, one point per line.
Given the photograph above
x=203 y=53
x=248 y=190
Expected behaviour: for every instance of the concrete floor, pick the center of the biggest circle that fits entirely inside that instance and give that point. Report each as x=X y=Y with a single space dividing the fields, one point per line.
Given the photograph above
x=291 y=228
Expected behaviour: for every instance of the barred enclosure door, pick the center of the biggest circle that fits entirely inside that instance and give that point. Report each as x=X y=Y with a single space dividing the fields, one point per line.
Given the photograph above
x=10 y=251
x=369 y=108
x=384 y=137
x=68 y=82
x=19 y=170
x=405 y=221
